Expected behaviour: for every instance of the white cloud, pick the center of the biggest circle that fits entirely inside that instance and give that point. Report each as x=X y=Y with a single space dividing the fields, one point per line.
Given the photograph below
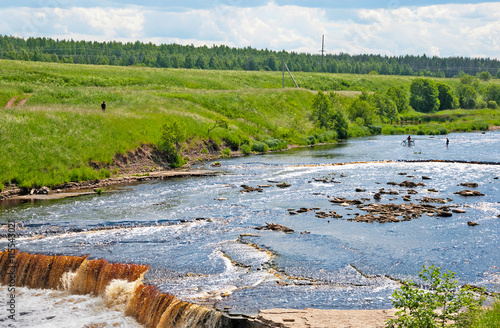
x=442 y=30
x=109 y=22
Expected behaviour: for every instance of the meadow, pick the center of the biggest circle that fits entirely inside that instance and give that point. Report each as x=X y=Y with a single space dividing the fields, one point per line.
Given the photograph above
x=60 y=130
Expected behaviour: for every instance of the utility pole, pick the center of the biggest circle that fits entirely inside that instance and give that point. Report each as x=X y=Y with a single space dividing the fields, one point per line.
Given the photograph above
x=322 y=52
x=283 y=72
x=284 y=66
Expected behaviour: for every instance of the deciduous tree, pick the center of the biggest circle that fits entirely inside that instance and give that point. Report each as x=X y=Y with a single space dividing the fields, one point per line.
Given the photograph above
x=424 y=96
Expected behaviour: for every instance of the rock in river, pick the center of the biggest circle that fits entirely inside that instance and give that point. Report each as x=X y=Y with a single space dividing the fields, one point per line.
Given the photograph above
x=467 y=192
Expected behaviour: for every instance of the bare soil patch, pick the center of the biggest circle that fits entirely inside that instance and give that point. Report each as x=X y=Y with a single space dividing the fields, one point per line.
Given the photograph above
x=11 y=102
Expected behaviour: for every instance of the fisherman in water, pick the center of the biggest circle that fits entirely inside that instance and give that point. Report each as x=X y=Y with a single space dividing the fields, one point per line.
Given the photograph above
x=409 y=141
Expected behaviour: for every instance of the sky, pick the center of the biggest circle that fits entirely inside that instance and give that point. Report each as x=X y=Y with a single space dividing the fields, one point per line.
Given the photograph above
x=389 y=27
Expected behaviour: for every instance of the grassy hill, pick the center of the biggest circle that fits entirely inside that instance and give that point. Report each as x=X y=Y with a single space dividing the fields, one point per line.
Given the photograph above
x=60 y=133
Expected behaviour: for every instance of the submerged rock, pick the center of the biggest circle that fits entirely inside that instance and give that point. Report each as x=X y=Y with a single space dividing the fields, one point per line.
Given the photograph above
x=444 y=213
x=411 y=184
x=468 y=192
x=276 y=227
x=250 y=189
x=469 y=184
x=433 y=200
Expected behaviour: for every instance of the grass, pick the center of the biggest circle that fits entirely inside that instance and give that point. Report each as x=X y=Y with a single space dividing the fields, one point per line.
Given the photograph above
x=489 y=318
x=61 y=129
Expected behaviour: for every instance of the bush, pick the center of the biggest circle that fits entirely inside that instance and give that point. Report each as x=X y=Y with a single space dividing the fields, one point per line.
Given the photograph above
x=276 y=144
x=233 y=141
x=226 y=152
x=481 y=104
x=418 y=307
x=260 y=147
x=392 y=130
x=246 y=149
x=469 y=126
x=375 y=129
x=492 y=104
x=104 y=173
x=1 y=187
x=176 y=161
x=173 y=133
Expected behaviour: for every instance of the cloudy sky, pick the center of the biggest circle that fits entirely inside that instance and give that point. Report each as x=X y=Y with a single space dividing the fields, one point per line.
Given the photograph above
x=389 y=27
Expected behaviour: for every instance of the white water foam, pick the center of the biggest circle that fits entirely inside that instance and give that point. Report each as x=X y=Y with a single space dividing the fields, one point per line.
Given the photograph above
x=45 y=308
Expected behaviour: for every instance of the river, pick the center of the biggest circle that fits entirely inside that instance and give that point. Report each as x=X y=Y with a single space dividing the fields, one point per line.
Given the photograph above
x=199 y=236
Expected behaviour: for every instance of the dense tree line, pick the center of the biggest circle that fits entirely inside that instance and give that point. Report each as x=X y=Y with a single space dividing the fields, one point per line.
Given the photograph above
x=226 y=58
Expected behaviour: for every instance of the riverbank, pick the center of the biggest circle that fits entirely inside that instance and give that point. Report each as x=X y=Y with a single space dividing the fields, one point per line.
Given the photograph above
x=139 y=165
x=73 y=189
x=288 y=318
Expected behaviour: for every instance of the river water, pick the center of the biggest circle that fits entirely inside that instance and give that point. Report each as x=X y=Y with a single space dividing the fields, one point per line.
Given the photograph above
x=199 y=236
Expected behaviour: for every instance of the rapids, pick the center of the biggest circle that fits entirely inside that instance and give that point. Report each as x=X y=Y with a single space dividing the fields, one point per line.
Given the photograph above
x=199 y=238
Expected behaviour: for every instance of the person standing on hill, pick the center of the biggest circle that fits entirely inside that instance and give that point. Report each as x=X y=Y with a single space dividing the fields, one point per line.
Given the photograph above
x=103 y=106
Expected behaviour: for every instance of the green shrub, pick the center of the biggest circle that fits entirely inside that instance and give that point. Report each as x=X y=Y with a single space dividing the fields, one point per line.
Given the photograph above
x=176 y=161
x=1 y=187
x=419 y=308
x=492 y=104
x=356 y=130
x=233 y=141
x=226 y=152
x=311 y=140
x=471 y=126
x=172 y=134
x=276 y=144
x=481 y=104
x=246 y=149
x=393 y=130
x=260 y=147
x=375 y=129
x=104 y=173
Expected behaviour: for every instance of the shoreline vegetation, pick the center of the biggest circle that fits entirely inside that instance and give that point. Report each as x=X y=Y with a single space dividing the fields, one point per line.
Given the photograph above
x=54 y=133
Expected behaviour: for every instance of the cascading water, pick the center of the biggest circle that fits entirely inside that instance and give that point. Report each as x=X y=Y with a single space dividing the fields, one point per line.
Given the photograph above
x=119 y=284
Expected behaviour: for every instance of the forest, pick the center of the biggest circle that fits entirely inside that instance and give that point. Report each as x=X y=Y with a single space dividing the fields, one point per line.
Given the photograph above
x=221 y=57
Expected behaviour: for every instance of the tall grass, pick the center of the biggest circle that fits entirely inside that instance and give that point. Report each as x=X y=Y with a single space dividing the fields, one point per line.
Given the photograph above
x=61 y=129
x=489 y=318
x=54 y=137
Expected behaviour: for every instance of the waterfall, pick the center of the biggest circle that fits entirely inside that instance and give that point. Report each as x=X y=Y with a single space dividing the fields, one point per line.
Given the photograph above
x=120 y=285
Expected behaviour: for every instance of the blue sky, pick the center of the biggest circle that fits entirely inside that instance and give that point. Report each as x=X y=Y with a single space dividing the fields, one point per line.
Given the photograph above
x=390 y=27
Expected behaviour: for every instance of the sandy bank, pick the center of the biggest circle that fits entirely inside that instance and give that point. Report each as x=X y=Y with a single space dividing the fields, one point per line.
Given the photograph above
x=325 y=318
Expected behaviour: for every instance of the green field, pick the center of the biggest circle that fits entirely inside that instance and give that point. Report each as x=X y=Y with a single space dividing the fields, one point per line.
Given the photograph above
x=60 y=130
